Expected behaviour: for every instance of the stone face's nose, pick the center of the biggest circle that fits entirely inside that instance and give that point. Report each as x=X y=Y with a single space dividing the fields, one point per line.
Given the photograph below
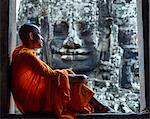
x=72 y=41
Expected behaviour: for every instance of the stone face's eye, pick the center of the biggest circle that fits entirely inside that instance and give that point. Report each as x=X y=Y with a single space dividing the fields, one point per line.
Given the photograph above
x=84 y=29
x=61 y=29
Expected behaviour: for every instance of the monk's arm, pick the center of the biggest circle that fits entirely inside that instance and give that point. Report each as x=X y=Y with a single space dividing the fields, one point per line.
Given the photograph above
x=33 y=61
x=40 y=67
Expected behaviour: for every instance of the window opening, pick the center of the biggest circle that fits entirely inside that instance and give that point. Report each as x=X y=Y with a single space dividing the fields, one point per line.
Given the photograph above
x=94 y=37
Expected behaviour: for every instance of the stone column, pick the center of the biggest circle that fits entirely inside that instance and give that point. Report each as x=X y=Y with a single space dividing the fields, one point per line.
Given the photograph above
x=12 y=40
x=125 y=15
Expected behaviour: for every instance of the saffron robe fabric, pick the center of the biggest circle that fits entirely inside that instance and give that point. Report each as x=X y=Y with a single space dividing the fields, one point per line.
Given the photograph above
x=38 y=88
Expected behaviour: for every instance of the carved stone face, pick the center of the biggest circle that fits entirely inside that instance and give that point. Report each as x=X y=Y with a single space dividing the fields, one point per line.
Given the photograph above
x=74 y=43
x=74 y=46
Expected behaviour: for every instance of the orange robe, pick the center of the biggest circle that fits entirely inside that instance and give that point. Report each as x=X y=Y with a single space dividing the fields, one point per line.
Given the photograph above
x=38 y=88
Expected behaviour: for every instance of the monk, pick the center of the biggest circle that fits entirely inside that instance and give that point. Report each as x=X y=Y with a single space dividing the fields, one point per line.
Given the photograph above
x=37 y=88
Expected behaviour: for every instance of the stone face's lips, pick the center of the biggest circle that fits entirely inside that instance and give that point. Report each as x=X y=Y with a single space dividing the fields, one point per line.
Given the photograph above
x=80 y=51
x=74 y=57
x=73 y=54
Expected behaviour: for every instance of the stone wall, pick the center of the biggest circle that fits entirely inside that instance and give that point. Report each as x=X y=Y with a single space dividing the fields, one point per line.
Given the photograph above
x=118 y=71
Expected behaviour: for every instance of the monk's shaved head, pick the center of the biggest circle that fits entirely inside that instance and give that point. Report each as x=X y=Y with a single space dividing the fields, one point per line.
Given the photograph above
x=25 y=30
